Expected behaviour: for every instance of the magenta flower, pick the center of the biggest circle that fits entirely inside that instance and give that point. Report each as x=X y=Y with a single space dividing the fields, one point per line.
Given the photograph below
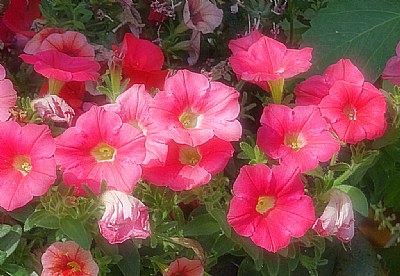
x=314 y=89
x=185 y=267
x=8 y=96
x=188 y=167
x=392 y=68
x=133 y=108
x=54 y=108
x=202 y=15
x=355 y=112
x=338 y=217
x=193 y=110
x=125 y=217
x=297 y=136
x=68 y=258
x=27 y=164
x=269 y=206
x=101 y=147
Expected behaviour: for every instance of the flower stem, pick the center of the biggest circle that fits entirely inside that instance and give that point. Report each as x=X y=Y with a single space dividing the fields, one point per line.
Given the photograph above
x=276 y=87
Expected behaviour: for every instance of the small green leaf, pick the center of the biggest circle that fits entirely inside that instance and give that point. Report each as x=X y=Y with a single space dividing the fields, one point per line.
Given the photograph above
x=130 y=262
x=201 y=225
x=339 y=167
x=43 y=219
x=9 y=239
x=75 y=230
x=358 y=199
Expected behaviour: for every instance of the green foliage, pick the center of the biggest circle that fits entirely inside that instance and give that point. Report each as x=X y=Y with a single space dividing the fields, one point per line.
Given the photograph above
x=9 y=239
x=366 y=31
x=358 y=199
x=253 y=153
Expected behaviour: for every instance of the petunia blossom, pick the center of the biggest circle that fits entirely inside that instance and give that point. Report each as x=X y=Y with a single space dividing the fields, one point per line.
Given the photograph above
x=101 y=147
x=142 y=62
x=53 y=108
x=297 y=136
x=193 y=110
x=20 y=14
x=355 y=112
x=133 y=108
x=392 y=68
x=269 y=206
x=185 y=267
x=188 y=167
x=68 y=258
x=202 y=15
x=8 y=96
x=315 y=88
x=27 y=164
x=125 y=217
x=53 y=64
x=337 y=218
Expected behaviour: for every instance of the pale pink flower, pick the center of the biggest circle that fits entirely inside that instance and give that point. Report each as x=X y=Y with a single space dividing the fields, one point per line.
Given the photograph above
x=53 y=108
x=269 y=206
x=392 y=68
x=194 y=50
x=188 y=167
x=355 y=112
x=27 y=164
x=133 y=108
x=193 y=110
x=315 y=88
x=298 y=136
x=202 y=15
x=125 y=217
x=8 y=96
x=101 y=147
x=69 y=259
x=185 y=267
x=338 y=217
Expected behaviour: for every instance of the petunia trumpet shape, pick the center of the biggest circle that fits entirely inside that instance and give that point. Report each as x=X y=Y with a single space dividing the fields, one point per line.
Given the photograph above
x=355 y=112
x=315 y=88
x=27 y=164
x=68 y=258
x=8 y=96
x=101 y=147
x=20 y=15
x=392 y=68
x=298 y=136
x=188 y=167
x=193 y=110
x=185 y=267
x=269 y=206
x=202 y=15
x=338 y=217
x=125 y=217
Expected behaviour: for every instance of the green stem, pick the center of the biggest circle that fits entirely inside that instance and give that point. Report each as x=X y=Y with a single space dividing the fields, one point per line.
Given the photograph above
x=343 y=177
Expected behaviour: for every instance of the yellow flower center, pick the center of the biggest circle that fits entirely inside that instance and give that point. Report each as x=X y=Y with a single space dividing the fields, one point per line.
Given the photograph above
x=350 y=112
x=188 y=119
x=22 y=163
x=265 y=203
x=189 y=156
x=294 y=141
x=103 y=152
x=74 y=265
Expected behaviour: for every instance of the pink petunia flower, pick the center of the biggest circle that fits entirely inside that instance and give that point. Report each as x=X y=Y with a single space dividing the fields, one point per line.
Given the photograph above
x=202 y=15
x=8 y=96
x=314 y=89
x=265 y=59
x=133 y=108
x=269 y=206
x=392 y=68
x=188 y=167
x=193 y=110
x=185 y=267
x=125 y=217
x=338 y=217
x=53 y=108
x=20 y=15
x=68 y=258
x=142 y=62
x=101 y=147
x=27 y=164
x=355 y=112
x=297 y=136
x=56 y=65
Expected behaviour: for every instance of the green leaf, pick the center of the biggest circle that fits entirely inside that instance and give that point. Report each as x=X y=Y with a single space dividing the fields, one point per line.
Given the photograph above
x=130 y=262
x=358 y=199
x=220 y=216
x=392 y=193
x=201 y=225
x=366 y=31
x=43 y=219
x=75 y=230
x=247 y=268
x=9 y=239
x=222 y=246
